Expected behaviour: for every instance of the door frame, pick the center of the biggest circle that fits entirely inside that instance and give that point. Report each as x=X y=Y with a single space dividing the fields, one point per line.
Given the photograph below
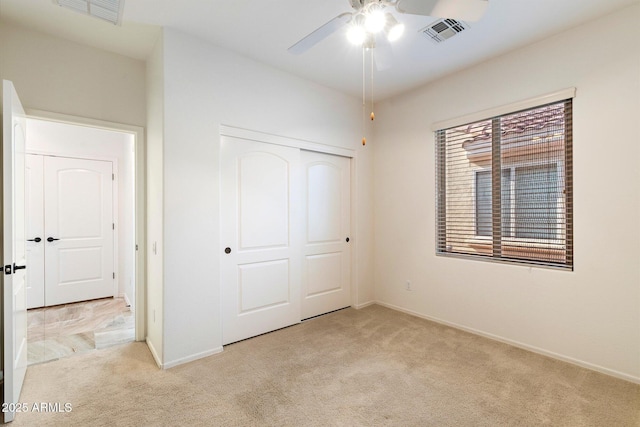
x=139 y=195
x=266 y=138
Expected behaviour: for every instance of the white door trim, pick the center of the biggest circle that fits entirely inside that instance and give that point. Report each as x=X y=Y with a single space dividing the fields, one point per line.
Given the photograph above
x=268 y=138
x=140 y=197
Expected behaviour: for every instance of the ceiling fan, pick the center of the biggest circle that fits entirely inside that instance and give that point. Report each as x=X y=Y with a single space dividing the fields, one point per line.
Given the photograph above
x=370 y=17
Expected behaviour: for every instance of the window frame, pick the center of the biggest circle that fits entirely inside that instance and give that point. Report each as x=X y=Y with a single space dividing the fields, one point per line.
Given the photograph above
x=562 y=244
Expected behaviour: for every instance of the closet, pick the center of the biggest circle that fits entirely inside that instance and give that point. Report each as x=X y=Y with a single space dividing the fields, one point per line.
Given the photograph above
x=285 y=215
x=70 y=230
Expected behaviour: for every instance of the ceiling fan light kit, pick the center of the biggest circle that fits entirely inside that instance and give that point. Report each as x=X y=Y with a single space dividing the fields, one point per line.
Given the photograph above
x=356 y=33
x=371 y=20
x=393 y=29
x=375 y=18
x=370 y=17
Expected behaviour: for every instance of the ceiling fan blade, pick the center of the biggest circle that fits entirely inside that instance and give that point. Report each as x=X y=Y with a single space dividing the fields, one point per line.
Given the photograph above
x=416 y=7
x=463 y=10
x=320 y=34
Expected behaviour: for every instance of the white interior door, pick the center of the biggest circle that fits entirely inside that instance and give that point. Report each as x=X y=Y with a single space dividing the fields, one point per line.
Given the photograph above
x=260 y=267
x=78 y=205
x=326 y=267
x=14 y=252
x=34 y=195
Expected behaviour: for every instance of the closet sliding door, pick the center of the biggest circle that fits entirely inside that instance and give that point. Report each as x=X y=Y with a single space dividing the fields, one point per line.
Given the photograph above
x=260 y=216
x=326 y=267
x=285 y=234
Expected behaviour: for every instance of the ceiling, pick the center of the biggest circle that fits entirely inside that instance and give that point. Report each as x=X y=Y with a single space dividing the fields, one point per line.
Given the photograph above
x=264 y=29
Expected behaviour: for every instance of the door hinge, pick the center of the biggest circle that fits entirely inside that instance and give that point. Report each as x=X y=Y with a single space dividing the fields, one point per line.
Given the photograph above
x=113 y=177
x=113 y=225
x=114 y=275
x=136 y=247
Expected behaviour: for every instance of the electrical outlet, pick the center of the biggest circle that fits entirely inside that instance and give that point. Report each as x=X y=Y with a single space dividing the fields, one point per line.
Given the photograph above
x=407 y=286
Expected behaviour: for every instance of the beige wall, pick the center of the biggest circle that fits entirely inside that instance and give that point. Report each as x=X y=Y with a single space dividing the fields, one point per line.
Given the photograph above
x=204 y=87
x=590 y=316
x=155 y=208
x=56 y=75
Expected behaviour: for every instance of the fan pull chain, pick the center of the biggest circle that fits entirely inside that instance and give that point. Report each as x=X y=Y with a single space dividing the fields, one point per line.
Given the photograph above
x=373 y=116
x=364 y=103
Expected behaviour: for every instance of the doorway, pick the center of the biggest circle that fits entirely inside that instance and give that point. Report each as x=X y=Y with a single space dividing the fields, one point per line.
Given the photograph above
x=87 y=279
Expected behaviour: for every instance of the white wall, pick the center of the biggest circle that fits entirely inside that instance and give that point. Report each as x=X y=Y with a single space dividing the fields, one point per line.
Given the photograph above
x=155 y=208
x=590 y=316
x=57 y=75
x=204 y=87
x=46 y=137
x=127 y=206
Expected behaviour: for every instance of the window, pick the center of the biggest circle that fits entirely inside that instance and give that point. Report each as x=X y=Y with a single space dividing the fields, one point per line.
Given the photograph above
x=532 y=212
x=504 y=187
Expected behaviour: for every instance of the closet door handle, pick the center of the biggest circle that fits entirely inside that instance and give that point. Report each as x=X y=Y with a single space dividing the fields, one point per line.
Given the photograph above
x=51 y=239
x=18 y=267
x=37 y=240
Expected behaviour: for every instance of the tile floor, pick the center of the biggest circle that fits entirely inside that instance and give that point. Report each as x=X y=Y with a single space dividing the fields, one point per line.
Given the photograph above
x=64 y=330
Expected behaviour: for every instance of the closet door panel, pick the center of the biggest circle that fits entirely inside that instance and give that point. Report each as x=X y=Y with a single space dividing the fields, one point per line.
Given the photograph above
x=326 y=197
x=260 y=264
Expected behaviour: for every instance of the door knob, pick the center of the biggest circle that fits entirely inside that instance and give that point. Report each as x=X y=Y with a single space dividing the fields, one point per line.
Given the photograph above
x=51 y=239
x=227 y=250
x=347 y=240
x=37 y=240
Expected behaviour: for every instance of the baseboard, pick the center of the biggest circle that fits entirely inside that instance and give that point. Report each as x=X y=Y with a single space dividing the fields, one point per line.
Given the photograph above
x=154 y=353
x=192 y=357
x=128 y=302
x=541 y=351
x=363 y=305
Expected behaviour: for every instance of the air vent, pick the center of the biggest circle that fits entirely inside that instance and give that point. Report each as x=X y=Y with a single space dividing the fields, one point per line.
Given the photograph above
x=107 y=10
x=444 y=29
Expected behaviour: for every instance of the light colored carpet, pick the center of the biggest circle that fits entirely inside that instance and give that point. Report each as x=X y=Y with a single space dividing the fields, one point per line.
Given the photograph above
x=369 y=367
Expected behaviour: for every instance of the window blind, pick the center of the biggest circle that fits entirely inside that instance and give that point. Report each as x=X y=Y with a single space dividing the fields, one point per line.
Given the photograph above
x=504 y=187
